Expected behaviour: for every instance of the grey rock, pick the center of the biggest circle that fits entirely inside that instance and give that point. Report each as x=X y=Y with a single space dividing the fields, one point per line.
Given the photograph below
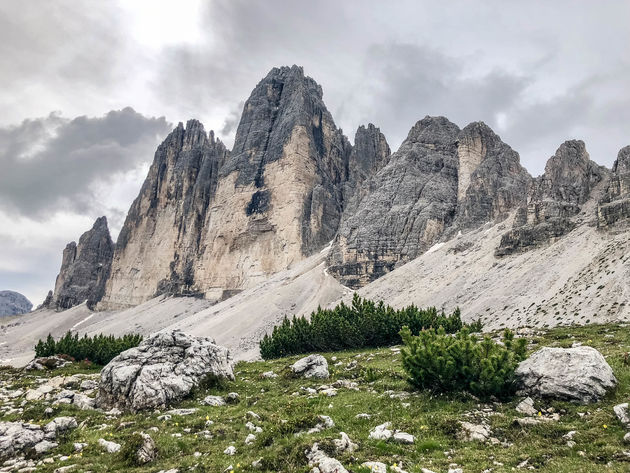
x=621 y=411
x=216 y=401
x=45 y=446
x=312 y=366
x=60 y=425
x=320 y=462
x=161 y=370
x=84 y=269
x=381 y=432
x=16 y=437
x=407 y=206
x=14 y=303
x=375 y=467
x=554 y=198
x=526 y=406
x=614 y=207
x=344 y=444
x=147 y=452
x=571 y=374
x=470 y=432
x=46 y=363
x=109 y=447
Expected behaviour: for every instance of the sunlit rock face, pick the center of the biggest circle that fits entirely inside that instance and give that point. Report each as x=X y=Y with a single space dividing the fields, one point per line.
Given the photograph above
x=614 y=208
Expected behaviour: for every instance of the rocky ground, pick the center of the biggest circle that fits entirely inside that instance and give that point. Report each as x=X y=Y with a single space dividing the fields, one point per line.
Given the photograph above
x=363 y=418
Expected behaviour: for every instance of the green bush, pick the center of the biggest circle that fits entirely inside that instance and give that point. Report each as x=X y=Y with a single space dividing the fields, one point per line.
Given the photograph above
x=361 y=325
x=99 y=349
x=449 y=363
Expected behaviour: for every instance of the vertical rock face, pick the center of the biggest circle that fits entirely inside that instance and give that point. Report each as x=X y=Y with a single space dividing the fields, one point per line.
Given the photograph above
x=553 y=198
x=615 y=205
x=408 y=204
x=14 y=303
x=280 y=195
x=84 y=269
x=161 y=237
x=491 y=180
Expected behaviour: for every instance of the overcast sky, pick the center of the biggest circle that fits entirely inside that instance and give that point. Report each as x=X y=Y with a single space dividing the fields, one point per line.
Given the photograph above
x=88 y=89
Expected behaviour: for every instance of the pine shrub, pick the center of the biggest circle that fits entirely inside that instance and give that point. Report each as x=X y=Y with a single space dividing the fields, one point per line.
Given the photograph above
x=99 y=349
x=441 y=362
x=363 y=324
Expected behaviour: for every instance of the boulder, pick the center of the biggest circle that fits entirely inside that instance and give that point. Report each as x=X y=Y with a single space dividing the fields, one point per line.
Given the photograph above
x=109 y=447
x=46 y=363
x=312 y=366
x=621 y=411
x=381 y=432
x=320 y=462
x=579 y=374
x=163 y=369
x=16 y=437
x=147 y=452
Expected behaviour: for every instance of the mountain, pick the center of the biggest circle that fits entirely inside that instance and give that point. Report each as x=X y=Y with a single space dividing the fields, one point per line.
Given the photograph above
x=14 y=303
x=84 y=269
x=294 y=216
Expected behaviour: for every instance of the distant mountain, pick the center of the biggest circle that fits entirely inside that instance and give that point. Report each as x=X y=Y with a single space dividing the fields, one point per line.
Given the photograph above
x=13 y=303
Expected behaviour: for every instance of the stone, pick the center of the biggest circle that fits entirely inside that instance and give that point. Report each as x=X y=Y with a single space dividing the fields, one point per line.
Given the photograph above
x=470 y=432
x=163 y=369
x=250 y=439
x=47 y=363
x=215 y=401
x=320 y=462
x=344 y=444
x=626 y=438
x=109 y=447
x=526 y=406
x=403 y=437
x=269 y=375
x=147 y=452
x=60 y=425
x=84 y=270
x=375 y=467
x=621 y=411
x=553 y=199
x=14 y=303
x=578 y=374
x=232 y=398
x=16 y=437
x=45 y=446
x=614 y=207
x=182 y=412
x=381 y=432
x=83 y=402
x=312 y=366
x=231 y=450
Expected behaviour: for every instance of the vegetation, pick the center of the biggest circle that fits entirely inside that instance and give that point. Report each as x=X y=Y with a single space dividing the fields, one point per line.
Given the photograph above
x=432 y=418
x=444 y=363
x=99 y=349
x=363 y=324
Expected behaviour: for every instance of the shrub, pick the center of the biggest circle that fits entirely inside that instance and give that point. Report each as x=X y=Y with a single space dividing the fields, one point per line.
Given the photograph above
x=99 y=349
x=440 y=362
x=362 y=324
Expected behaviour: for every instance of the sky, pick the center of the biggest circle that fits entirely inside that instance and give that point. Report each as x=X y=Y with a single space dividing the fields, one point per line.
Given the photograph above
x=89 y=89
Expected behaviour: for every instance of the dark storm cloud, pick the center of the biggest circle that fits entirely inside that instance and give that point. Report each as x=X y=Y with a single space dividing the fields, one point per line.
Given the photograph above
x=53 y=163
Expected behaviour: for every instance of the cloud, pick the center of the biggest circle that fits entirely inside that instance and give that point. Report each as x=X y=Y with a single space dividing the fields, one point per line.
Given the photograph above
x=52 y=163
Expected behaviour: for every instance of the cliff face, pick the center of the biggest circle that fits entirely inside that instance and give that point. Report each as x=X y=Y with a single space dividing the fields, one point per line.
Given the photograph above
x=554 y=198
x=84 y=269
x=441 y=180
x=406 y=206
x=280 y=194
x=161 y=237
x=614 y=208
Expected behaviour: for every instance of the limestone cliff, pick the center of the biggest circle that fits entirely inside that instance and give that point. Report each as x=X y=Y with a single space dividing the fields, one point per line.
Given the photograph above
x=407 y=205
x=554 y=198
x=14 y=303
x=614 y=208
x=280 y=195
x=161 y=237
x=84 y=269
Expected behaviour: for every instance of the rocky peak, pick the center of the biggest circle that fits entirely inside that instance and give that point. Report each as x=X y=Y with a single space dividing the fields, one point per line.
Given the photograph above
x=491 y=180
x=14 y=303
x=615 y=204
x=84 y=269
x=406 y=206
x=554 y=198
x=369 y=153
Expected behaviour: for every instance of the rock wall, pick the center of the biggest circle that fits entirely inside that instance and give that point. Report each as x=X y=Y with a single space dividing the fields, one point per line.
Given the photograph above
x=84 y=269
x=614 y=208
x=161 y=237
x=554 y=198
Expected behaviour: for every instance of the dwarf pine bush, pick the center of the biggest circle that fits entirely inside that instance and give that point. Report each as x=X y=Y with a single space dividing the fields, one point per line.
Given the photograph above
x=362 y=324
x=441 y=362
x=99 y=349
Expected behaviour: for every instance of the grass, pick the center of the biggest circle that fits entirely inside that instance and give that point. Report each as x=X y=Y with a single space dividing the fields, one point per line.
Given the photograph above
x=285 y=409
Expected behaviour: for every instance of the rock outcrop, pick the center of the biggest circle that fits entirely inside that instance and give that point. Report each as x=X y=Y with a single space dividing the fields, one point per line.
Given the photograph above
x=14 y=303
x=578 y=374
x=408 y=204
x=163 y=369
x=163 y=233
x=84 y=269
x=554 y=199
x=17 y=437
x=615 y=206
x=442 y=180
x=312 y=366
